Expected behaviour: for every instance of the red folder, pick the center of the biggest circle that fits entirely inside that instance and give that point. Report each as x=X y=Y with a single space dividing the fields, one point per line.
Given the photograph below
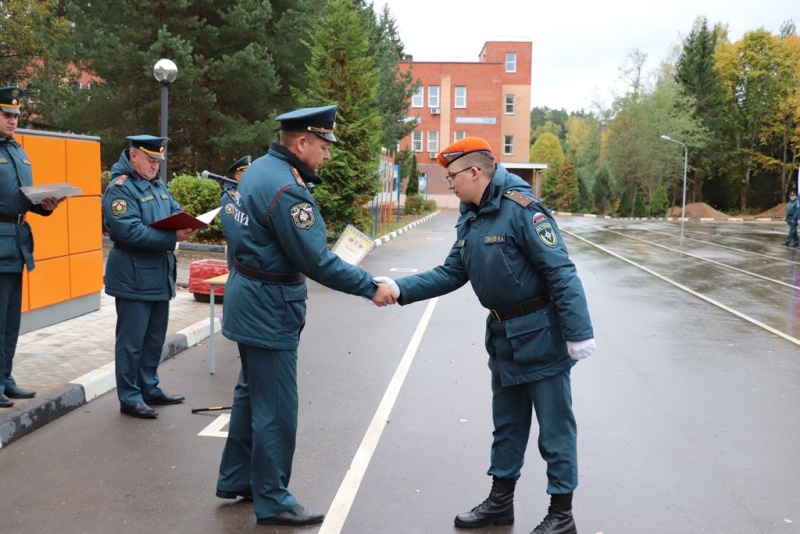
x=179 y=221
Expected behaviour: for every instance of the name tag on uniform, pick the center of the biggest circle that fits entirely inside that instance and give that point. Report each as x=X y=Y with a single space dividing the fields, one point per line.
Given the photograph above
x=460 y=243
x=3 y=160
x=494 y=239
x=165 y=197
x=145 y=199
x=26 y=162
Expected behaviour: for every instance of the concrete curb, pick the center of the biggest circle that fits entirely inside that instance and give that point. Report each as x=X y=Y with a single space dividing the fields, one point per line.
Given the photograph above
x=27 y=416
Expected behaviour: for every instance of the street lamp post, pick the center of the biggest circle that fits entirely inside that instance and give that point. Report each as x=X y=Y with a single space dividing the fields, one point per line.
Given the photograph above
x=165 y=72
x=685 y=165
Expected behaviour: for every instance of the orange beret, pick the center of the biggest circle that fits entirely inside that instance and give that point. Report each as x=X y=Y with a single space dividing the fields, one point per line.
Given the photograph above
x=461 y=148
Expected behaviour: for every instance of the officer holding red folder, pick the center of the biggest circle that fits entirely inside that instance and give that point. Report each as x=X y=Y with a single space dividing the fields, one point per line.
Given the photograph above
x=140 y=271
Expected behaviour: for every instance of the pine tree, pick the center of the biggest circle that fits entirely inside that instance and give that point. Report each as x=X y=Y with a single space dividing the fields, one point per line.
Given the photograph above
x=231 y=80
x=344 y=71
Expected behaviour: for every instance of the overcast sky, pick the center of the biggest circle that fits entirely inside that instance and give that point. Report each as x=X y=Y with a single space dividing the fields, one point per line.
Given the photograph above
x=578 y=45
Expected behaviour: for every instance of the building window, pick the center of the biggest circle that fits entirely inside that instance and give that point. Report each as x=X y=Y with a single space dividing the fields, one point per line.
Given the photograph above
x=511 y=62
x=461 y=96
x=433 y=141
x=510 y=104
x=458 y=135
x=416 y=141
x=433 y=96
x=508 y=145
x=75 y=86
x=416 y=98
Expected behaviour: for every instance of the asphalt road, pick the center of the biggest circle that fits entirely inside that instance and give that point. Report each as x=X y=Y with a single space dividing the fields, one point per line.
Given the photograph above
x=687 y=412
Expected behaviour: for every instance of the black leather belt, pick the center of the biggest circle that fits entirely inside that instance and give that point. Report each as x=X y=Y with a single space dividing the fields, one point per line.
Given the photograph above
x=16 y=219
x=518 y=310
x=271 y=278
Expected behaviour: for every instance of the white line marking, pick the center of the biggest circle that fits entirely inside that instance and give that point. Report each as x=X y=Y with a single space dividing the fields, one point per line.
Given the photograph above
x=695 y=293
x=214 y=430
x=337 y=513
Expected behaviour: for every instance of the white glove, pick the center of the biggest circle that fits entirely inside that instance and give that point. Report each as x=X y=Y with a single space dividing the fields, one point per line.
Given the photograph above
x=579 y=350
x=391 y=283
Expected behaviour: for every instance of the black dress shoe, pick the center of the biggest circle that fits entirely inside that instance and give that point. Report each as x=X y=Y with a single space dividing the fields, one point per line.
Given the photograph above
x=296 y=517
x=5 y=402
x=244 y=494
x=140 y=409
x=166 y=399
x=19 y=393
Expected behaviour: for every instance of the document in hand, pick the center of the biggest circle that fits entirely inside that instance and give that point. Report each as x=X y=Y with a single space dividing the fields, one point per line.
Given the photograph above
x=353 y=245
x=37 y=193
x=183 y=220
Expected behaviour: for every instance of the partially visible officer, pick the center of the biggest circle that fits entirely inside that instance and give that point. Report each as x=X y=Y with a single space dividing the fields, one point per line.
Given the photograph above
x=509 y=248
x=140 y=271
x=16 y=239
x=235 y=172
x=791 y=219
x=279 y=238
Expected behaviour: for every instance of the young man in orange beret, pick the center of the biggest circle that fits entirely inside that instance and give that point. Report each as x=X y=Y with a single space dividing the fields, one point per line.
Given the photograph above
x=509 y=248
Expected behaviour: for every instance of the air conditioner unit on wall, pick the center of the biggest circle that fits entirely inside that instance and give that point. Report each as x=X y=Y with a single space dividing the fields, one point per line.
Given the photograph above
x=435 y=111
x=432 y=155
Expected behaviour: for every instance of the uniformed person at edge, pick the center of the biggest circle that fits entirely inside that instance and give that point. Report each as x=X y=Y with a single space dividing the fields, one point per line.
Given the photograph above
x=16 y=239
x=227 y=213
x=140 y=271
x=279 y=238
x=509 y=248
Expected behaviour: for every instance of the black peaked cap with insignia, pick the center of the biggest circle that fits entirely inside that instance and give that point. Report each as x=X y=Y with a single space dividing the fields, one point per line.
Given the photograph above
x=153 y=146
x=9 y=99
x=321 y=121
x=240 y=165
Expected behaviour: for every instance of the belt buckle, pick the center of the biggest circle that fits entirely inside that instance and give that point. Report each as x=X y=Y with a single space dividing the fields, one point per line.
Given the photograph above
x=495 y=315
x=20 y=218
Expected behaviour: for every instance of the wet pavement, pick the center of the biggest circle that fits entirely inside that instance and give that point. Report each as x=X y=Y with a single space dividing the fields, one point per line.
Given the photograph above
x=686 y=412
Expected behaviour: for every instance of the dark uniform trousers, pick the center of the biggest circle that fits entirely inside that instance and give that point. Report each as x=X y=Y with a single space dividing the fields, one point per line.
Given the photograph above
x=11 y=311
x=141 y=331
x=512 y=407
x=263 y=429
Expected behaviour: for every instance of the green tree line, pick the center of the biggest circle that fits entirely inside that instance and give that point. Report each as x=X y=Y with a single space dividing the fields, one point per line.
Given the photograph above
x=240 y=62
x=735 y=105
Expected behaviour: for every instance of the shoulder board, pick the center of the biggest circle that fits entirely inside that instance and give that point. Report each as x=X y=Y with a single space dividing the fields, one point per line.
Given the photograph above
x=519 y=198
x=121 y=179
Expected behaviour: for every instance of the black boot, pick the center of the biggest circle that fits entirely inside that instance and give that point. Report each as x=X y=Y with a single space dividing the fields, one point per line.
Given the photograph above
x=497 y=509
x=559 y=517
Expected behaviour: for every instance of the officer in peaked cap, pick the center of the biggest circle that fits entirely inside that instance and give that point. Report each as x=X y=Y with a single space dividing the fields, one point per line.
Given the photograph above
x=16 y=239
x=278 y=239
x=321 y=121
x=135 y=198
x=9 y=99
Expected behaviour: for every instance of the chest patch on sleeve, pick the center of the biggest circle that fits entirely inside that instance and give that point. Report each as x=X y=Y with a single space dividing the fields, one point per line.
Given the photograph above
x=303 y=215
x=546 y=234
x=119 y=207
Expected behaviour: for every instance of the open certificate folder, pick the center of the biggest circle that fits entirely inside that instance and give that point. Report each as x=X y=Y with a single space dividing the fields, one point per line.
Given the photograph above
x=37 y=193
x=183 y=220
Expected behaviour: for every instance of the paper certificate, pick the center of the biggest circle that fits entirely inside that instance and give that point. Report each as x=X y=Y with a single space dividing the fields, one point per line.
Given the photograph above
x=353 y=245
x=37 y=193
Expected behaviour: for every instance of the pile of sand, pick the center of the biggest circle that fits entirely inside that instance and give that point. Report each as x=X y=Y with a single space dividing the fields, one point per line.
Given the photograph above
x=697 y=209
x=778 y=211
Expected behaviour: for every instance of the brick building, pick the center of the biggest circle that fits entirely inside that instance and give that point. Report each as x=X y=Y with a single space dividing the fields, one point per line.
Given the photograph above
x=490 y=98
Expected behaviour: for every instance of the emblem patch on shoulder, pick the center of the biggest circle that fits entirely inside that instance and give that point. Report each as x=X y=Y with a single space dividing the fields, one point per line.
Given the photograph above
x=229 y=209
x=538 y=217
x=298 y=178
x=119 y=207
x=546 y=234
x=303 y=215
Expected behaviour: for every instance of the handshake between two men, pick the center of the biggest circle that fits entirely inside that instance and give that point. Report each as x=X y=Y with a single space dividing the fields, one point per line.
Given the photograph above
x=388 y=293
